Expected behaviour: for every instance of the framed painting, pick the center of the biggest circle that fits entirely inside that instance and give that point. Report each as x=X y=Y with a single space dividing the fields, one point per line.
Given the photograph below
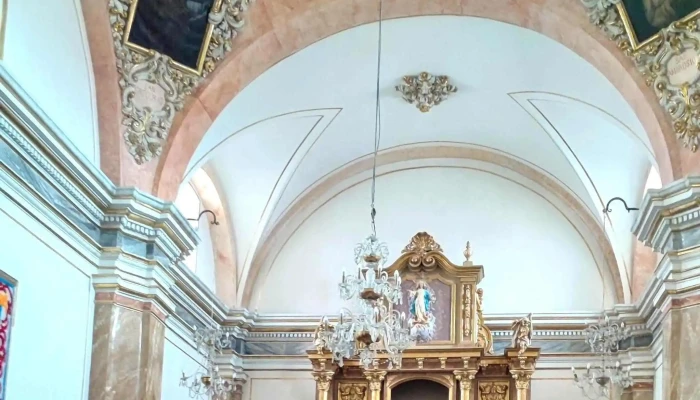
x=8 y=295
x=428 y=307
x=179 y=29
x=3 y=22
x=644 y=19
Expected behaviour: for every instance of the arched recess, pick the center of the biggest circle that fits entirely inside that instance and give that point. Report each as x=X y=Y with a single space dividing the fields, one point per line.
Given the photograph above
x=279 y=28
x=221 y=240
x=446 y=155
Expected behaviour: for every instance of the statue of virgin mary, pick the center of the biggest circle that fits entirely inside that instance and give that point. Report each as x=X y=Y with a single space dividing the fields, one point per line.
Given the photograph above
x=422 y=320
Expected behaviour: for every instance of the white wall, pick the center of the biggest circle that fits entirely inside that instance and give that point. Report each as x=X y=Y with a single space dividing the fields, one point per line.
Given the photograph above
x=519 y=237
x=287 y=385
x=50 y=342
x=46 y=51
x=178 y=357
x=555 y=389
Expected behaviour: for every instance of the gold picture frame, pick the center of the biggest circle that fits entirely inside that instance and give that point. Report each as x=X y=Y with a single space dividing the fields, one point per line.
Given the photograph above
x=216 y=6
x=3 y=23
x=632 y=35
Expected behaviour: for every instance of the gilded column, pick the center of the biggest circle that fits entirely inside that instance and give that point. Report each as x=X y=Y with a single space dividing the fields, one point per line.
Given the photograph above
x=323 y=383
x=522 y=384
x=375 y=379
x=465 y=379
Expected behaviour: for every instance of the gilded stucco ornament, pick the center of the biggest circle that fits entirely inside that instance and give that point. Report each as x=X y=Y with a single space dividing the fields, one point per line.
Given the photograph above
x=425 y=90
x=421 y=247
x=669 y=62
x=153 y=87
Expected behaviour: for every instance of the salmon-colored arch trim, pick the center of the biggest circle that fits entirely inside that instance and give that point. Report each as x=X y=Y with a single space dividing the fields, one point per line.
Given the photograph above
x=278 y=28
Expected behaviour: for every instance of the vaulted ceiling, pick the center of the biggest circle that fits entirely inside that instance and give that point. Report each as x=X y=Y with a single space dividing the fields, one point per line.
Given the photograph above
x=304 y=131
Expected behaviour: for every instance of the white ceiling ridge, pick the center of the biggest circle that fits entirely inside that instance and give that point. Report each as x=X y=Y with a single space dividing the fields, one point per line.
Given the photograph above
x=321 y=113
x=325 y=120
x=326 y=191
x=527 y=101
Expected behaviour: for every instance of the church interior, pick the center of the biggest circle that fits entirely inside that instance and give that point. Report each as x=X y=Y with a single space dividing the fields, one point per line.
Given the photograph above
x=350 y=199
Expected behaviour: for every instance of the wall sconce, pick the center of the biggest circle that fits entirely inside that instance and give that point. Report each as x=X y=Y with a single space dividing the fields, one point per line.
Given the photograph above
x=607 y=209
x=215 y=222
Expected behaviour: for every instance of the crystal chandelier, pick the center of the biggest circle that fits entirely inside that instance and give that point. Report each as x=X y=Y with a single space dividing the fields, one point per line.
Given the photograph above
x=206 y=383
x=374 y=326
x=598 y=380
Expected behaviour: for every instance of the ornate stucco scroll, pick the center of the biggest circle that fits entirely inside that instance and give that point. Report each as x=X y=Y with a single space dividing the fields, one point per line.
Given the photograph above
x=669 y=63
x=153 y=88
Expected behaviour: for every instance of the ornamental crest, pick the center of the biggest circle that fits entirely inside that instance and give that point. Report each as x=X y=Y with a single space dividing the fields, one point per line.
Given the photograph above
x=155 y=85
x=666 y=51
x=421 y=245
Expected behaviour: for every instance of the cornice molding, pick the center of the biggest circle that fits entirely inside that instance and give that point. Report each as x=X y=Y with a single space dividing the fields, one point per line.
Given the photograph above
x=668 y=214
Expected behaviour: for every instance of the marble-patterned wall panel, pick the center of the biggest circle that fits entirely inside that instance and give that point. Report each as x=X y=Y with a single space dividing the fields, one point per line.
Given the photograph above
x=46 y=190
x=548 y=346
x=277 y=348
x=689 y=342
x=127 y=354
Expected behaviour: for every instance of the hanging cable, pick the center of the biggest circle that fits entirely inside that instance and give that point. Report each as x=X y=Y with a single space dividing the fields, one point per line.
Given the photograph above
x=377 y=121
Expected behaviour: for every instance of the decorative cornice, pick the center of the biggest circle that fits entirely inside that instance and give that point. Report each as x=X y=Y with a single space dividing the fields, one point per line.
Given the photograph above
x=668 y=214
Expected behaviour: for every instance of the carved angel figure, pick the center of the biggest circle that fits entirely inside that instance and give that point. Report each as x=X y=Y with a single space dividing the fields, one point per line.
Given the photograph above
x=522 y=333
x=323 y=328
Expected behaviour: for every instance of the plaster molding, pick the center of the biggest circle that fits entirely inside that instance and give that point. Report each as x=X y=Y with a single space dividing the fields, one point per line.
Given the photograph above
x=148 y=121
x=668 y=212
x=679 y=96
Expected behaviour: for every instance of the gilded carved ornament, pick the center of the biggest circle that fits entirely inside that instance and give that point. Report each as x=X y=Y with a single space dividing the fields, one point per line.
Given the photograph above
x=522 y=379
x=467 y=311
x=669 y=62
x=153 y=87
x=352 y=391
x=323 y=380
x=484 y=335
x=493 y=390
x=425 y=90
x=421 y=245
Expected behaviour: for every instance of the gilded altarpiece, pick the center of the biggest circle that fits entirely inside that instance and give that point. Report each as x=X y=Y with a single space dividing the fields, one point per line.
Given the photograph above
x=454 y=349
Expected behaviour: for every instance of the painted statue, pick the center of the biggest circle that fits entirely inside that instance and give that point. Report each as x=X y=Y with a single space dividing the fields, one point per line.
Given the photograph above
x=320 y=336
x=522 y=334
x=421 y=304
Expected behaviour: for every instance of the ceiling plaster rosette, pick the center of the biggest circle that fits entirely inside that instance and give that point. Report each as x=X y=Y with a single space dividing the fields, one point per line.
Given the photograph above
x=669 y=62
x=154 y=88
x=425 y=90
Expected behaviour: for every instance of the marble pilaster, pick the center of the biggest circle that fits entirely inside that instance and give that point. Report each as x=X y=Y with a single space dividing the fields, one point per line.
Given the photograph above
x=127 y=350
x=669 y=222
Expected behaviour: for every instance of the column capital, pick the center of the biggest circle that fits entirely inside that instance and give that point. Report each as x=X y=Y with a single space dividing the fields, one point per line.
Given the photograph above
x=465 y=378
x=375 y=379
x=522 y=379
x=323 y=379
